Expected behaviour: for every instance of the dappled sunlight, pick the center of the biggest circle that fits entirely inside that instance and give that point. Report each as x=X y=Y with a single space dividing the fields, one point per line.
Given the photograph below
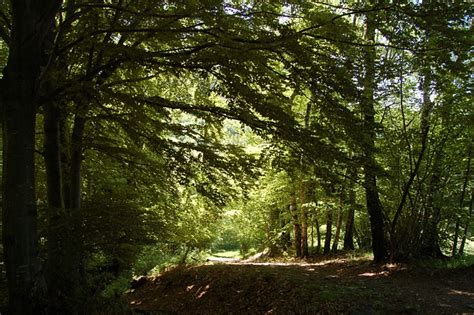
x=374 y=274
x=301 y=263
x=343 y=282
x=202 y=291
x=459 y=292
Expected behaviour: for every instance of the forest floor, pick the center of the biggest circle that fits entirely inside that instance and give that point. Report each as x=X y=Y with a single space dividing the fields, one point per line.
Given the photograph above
x=339 y=285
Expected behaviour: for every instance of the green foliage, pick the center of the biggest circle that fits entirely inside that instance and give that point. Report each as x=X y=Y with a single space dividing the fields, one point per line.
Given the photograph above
x=204 y=119
x=460 y=262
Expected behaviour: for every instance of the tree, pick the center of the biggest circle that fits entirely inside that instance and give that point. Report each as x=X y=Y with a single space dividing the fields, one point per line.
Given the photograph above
x=31 y=22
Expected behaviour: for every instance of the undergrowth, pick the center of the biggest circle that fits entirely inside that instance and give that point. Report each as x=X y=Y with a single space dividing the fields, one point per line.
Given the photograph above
x=463 y=261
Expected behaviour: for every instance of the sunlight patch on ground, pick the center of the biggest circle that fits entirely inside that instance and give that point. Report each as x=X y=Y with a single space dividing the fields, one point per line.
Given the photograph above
x=459 y=292
x=294 y=263
x=235 y=254
x=200 y=294
x=374 y=274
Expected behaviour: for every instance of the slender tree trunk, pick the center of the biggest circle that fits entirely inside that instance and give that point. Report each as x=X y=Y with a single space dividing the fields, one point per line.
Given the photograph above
x=76 y=162
x=338 y=227
x=56 y=264
x=306 y=196
x=349 y=231
x=327 y=240
x=318 y=234
x=273 y=227
x=461 y=205
x=304 y=233
x=374 y=206
x=426 y=110
x=63 y=161
x=20 y=84
x=72 y=250
x=430 y=246
x=456 y=237
x=296 y=224
x=466 y=227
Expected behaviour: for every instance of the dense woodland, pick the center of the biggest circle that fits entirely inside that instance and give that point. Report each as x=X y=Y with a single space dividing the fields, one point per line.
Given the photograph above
x=138 y=132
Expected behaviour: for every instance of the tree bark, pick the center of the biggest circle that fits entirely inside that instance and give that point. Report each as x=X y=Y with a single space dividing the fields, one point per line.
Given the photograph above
x=349 y=230
x=318 y=234
x=461 y=204
x=296 y=225
x=58 y=227
x=304 y=234
x=76 y=162
x=31 y=21
x=327 y=239
x=374 y=206
x=430 y=245
x=306 y=195
x=63 y=161
x=466 y=227
x=272 y=233
x=338 y=227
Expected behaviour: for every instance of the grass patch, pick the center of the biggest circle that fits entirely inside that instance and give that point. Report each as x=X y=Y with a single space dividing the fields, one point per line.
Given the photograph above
x=450 y=263
x=226 y=254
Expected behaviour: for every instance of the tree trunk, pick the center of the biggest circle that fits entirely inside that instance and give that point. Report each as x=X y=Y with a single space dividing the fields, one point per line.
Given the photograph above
x=19 y=202
x=76 y=162
x=30 y=22
x=338 y=227
x=318 y=234
x=430 y=243
x=374 y=206
x=57 y=271
x=306 y=195
x=327 y=240
x=461 y=205
x=304 y=233
x=272 y=233
x=466 y=227
x=296 y=225
x=349 y=231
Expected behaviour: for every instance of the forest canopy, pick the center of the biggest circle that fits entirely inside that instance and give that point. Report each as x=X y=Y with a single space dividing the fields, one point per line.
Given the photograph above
x=139 y=130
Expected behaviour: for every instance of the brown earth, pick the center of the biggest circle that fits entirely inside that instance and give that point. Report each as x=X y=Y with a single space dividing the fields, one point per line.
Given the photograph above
x=338 y=286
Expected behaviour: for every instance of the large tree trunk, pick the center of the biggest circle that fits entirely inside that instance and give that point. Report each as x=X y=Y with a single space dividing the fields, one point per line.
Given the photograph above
x=30 y=23
x=19 y=202
x=374 y=206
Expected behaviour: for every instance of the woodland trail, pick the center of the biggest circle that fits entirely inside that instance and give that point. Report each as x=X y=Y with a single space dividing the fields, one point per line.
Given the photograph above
x=326 y=287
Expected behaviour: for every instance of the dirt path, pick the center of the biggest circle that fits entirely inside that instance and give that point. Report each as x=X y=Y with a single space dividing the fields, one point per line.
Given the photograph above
x=330 y=287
